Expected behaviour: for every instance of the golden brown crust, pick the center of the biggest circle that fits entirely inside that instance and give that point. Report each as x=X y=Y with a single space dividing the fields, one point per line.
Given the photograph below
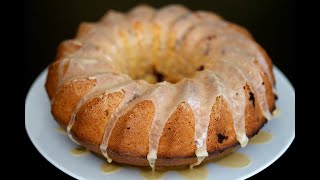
x=66 y=98
x=130 y=136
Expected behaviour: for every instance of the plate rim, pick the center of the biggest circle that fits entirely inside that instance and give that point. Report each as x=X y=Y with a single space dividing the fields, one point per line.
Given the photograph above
x=40 y=150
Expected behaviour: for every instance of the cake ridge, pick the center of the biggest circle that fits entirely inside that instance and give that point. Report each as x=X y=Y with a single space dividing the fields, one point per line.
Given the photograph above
x=131 y=91
x=235 y=81
x=113 y=84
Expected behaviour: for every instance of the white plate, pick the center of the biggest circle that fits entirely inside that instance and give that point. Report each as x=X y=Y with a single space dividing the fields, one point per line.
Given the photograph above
x=55 y=147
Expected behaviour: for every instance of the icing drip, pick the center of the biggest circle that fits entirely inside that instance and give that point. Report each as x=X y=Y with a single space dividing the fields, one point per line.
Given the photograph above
x=234 y=94
x=193 y=95
x=163 y=99
x=201 y=100
x=131 y=91
x=189 y=92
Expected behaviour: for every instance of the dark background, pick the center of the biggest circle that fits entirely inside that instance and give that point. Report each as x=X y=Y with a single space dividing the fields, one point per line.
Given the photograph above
x=47 y=23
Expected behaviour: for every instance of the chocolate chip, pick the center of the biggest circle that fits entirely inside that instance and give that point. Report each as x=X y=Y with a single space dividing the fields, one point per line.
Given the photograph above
x=200 y=68
x=221 y=137
x=211 y=37
x=133 y=98
x=106 y=112
x=252 y=98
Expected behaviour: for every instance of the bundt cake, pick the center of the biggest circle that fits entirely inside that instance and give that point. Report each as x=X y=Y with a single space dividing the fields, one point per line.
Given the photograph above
x=163 y=87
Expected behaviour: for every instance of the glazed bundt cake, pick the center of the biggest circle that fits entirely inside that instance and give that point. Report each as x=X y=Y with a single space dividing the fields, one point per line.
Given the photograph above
x=163 y=87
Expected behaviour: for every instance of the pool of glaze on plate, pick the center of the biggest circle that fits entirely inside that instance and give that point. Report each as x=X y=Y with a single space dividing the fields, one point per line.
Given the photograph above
x=79 y=151
x=261 y=137
x=231 y=160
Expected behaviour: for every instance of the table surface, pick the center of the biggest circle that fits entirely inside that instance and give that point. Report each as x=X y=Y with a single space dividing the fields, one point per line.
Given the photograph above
x=48 y=23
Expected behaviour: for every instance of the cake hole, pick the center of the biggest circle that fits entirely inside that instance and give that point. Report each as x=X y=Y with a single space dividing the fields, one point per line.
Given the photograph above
x=159 y=76
x=169 y=65
x=128 y=127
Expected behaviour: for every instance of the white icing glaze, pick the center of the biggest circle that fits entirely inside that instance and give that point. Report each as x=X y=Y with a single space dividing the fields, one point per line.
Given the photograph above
x=106 y=50
x=163 y=98
x=201 y=101
x=86 y=61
